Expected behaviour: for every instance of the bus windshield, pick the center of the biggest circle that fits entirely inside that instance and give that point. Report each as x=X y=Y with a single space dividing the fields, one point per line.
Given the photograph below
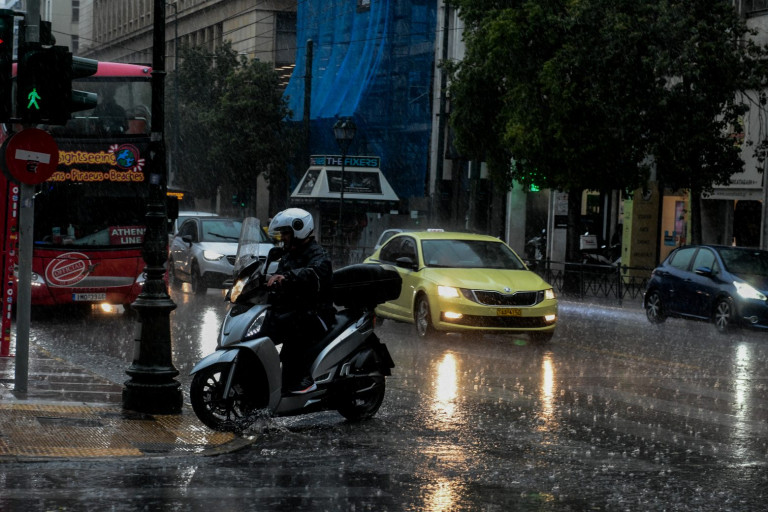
x=97 y=196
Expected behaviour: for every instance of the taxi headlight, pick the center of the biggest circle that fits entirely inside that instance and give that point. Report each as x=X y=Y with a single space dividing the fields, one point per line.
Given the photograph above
x=448 y=292
x=748 y=291
x=543 y=295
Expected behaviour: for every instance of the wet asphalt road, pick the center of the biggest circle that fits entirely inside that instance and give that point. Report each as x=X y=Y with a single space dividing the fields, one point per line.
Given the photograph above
x=613 y=414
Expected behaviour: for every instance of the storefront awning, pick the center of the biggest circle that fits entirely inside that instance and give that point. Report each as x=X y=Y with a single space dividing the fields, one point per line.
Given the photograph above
x=364 y=183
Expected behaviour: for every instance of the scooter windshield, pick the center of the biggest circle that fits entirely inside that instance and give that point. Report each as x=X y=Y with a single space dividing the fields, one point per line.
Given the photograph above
x=251 y=238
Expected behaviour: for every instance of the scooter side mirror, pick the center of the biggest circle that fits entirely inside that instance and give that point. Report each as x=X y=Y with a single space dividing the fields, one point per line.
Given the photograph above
x=274 y=254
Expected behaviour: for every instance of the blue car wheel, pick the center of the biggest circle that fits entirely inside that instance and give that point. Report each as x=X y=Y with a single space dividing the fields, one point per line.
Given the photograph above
x=654 y=310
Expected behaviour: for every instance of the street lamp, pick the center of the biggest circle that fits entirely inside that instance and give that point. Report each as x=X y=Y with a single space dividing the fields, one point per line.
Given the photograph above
x=152 y=388
x=344 y=131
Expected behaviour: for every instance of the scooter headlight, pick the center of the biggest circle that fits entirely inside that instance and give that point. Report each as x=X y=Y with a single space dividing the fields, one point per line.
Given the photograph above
x=255 y=328
x=237 y=289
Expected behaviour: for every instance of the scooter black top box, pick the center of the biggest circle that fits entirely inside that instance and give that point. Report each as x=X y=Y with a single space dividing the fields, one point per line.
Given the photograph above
x=365 y=285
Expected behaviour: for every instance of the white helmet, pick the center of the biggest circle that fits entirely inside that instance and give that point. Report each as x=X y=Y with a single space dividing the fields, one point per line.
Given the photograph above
x=300 y=221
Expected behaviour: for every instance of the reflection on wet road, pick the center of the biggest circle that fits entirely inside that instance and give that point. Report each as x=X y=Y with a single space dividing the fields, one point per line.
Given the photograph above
x=613 y=414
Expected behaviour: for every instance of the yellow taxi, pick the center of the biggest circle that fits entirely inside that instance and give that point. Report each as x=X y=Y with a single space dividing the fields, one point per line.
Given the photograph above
x=462 y=282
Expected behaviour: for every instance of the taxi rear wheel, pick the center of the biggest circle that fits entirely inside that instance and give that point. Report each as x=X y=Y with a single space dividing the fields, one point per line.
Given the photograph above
x=423 y=318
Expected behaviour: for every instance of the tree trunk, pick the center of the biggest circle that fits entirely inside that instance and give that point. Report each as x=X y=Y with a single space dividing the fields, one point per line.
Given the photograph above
x=572 y=251
x=695 y=216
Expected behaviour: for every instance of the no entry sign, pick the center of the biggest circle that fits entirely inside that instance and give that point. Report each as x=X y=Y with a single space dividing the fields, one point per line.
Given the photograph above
x=30 y=156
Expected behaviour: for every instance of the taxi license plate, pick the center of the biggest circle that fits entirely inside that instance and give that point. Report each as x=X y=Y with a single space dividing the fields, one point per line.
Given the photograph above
x=89 y=296
x=509 y=312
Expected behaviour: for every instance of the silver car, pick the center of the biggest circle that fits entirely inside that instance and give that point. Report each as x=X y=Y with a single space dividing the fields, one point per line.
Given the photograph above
x=203 y=251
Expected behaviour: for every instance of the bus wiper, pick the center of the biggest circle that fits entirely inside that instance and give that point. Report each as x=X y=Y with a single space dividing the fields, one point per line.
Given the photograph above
x=228 y=237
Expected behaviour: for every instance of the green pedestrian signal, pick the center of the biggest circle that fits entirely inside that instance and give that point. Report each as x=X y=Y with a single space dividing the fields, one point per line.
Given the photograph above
x=44 y=84
x=33 y=97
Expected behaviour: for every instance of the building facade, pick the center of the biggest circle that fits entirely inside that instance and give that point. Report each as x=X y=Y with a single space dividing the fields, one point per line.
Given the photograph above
x=122 y=31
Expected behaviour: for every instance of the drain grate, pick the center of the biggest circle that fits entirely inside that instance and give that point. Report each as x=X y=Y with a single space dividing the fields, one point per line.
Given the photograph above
x=68 y=422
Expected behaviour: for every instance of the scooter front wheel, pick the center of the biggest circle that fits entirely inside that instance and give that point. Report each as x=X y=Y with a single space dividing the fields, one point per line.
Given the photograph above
x=365 y=400
x=224 y=413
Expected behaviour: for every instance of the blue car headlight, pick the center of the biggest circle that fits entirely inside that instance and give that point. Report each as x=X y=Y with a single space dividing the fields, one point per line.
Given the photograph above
x=748 y=291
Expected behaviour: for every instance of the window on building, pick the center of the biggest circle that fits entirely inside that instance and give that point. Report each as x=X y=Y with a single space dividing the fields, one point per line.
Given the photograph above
x=285 y=38
x=752 y=6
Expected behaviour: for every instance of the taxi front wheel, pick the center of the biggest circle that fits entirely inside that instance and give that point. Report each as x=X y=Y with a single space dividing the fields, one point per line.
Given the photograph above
x=422 y=318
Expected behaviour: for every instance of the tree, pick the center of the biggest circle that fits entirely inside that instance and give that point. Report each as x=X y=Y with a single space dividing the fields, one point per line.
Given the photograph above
x=251 y=119
x=588 y=94
x=231 y=121
x=197 y=82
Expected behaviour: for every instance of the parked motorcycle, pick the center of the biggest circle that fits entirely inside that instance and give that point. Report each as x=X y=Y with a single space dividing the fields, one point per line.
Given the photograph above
x=536 y=247
x=242 y=379
x=603 y=255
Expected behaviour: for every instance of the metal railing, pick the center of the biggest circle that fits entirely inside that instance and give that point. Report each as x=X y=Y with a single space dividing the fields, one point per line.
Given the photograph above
x=581 y=280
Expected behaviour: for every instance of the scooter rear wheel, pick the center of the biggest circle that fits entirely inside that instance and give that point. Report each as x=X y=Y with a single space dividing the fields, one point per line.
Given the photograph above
x=231 y=413
x=365 y=401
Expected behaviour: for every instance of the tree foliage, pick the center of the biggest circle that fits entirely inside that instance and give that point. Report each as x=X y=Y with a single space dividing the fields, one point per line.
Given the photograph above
x=586 y=94
x=231 y=122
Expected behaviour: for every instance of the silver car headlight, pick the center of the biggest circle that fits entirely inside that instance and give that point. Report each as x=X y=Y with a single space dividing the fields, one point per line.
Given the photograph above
x=212 y=255
x=255 y=328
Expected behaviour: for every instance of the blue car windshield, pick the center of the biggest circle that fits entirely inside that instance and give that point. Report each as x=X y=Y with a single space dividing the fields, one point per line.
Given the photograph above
x=745 y=261
x=469 y=254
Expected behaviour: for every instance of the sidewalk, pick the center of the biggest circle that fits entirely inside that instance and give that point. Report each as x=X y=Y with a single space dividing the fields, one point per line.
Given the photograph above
x=71 y=413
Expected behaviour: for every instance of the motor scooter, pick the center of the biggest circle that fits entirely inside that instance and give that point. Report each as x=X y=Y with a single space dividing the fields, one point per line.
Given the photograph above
x=536 y=247
x=242 y=380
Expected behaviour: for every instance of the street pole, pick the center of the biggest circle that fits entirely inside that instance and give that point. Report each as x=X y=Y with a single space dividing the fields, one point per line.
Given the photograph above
x=344 y=131
x=26 y=237
x=151 y=388
x=176 y=121
x=339 y=224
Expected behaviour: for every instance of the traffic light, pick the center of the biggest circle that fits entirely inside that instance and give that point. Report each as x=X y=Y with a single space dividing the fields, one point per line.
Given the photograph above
x=240 y=199
x=6 y=64
x=44 y=84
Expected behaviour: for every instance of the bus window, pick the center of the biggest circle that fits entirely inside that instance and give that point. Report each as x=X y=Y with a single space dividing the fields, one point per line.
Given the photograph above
x=122 y=110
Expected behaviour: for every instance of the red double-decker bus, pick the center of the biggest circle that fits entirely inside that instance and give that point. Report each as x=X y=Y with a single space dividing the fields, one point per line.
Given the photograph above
x=89 y=216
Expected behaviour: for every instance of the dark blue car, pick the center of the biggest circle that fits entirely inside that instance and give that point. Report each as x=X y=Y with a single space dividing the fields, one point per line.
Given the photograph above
x=720 y=284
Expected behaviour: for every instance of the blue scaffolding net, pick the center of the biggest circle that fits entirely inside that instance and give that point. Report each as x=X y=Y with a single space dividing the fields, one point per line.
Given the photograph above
x=372 y=61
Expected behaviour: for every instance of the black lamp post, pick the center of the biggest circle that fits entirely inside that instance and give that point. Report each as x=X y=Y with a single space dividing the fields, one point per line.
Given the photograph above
x=152 y=388
x=344 y=131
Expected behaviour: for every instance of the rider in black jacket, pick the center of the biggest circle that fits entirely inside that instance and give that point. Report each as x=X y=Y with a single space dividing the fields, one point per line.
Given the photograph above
x=304 y=311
